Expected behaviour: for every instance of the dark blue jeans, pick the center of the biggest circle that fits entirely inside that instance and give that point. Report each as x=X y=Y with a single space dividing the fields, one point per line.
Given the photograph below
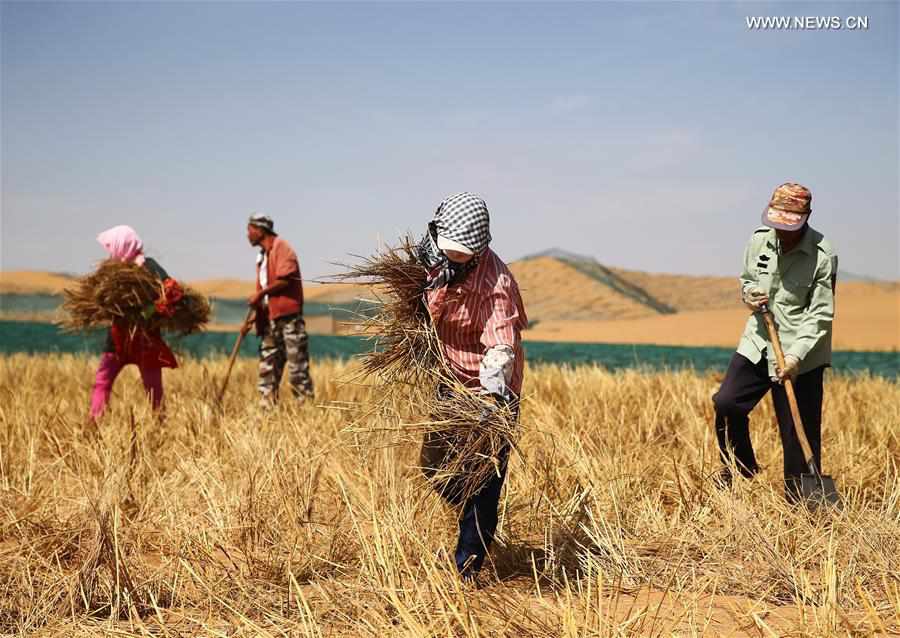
x=478 y=518
x=478 y=523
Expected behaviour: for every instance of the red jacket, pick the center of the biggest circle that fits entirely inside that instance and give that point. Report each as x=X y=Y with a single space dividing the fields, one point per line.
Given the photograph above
x=141 y=346
x=282 y=264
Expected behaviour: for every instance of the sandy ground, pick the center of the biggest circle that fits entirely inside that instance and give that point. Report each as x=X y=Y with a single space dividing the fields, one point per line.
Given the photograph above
x=33 y=282
x=867 y=318
x=852 y=331
x=315 y=325
x=37 y=282
x=312 y=291
x=553 y=290
x=569 y=306
x=686 y=292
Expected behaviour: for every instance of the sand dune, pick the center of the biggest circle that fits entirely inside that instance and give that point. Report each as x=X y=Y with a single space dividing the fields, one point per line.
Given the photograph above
x=867 y=317
x=315 y=325
x=553 y=290
x=568 y=304
x=335 y=293
x=243 y=288
x=26 y=282
x=224 y=288
x=686 y=292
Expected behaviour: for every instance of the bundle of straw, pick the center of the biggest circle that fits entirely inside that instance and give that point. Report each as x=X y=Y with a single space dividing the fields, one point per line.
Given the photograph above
x=462 y=448
x=118 y=290
x=407 y=350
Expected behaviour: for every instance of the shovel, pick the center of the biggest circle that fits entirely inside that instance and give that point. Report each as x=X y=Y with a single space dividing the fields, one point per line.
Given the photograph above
x=234 y=352
x=817 y=489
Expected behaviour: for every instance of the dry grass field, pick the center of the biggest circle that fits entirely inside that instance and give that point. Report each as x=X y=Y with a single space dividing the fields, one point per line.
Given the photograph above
x=226 y=521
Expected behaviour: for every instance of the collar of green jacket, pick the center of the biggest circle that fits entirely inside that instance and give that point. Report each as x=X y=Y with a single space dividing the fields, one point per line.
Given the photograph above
x=809 y=243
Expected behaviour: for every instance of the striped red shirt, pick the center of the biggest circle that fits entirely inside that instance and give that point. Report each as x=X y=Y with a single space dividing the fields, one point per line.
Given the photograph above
x=483 y=311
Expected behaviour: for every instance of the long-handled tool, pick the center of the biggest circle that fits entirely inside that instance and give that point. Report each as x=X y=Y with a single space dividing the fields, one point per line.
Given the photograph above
x=817 y=489
x=234 y=353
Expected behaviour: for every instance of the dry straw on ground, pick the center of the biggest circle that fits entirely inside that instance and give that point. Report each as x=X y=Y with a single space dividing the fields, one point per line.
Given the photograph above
x=123 y=291
x=270 y=524
x=417 y=392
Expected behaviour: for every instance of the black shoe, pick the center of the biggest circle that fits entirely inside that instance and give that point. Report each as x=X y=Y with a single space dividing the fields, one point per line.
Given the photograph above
x=471 y=579
x=724 y=479
x=468 y=571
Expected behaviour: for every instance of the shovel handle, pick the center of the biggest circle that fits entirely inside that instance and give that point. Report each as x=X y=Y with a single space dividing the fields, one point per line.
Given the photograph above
x=234 y=353
x=789 y=390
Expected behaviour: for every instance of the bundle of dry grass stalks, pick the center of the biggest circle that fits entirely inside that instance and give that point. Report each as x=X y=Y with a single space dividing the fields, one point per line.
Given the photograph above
x=123 y=291
x=467 y=434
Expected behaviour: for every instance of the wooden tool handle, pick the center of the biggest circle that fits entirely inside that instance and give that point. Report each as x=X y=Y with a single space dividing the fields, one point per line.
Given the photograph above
x=789 y=389
x=234 y=353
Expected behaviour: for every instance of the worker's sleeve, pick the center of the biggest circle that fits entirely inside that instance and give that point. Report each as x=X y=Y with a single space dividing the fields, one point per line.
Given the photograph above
x=501 y=318
x=286 y=264
x=154 y=267
x=816 y=321
x=500 y=337
x=749 y=280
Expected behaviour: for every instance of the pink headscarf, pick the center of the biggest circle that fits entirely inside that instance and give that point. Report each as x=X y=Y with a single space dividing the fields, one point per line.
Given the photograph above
x=122 y=243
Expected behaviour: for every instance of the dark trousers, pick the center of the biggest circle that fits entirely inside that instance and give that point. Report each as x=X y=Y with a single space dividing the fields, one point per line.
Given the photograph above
x=478 y=519
x=745 y=384
x=478 y=522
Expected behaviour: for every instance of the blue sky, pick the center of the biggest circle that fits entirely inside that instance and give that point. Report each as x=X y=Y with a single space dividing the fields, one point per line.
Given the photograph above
x=648 y=135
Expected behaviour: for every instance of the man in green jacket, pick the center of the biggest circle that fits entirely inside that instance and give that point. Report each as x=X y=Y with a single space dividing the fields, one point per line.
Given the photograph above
x=791 y=268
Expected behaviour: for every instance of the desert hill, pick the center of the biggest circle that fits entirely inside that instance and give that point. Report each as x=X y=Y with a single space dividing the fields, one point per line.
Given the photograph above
x=575 y=298
x=31 y=282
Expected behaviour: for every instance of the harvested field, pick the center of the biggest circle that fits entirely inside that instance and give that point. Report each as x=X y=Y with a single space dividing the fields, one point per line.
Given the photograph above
x=236 y=522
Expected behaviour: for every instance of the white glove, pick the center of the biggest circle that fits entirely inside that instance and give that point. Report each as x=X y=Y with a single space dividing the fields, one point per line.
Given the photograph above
x=754 y=299
x=791 y=366
x=495 y=371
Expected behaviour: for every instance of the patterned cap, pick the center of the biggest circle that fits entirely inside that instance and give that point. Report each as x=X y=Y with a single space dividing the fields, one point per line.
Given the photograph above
x=788 y=208
x=264 y=222
x=464 y=219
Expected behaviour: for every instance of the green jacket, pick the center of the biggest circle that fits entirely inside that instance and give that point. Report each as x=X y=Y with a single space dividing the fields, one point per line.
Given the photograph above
x=800 y=285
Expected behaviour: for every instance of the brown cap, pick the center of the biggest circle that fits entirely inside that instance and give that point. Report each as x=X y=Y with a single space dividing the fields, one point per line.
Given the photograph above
x=788 y=208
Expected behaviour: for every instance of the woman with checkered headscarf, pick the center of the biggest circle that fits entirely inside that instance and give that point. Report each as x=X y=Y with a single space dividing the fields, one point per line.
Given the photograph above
x=474 y=303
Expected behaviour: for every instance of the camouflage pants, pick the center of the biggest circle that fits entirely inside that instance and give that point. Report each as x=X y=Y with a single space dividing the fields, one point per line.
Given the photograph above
x=284 y=341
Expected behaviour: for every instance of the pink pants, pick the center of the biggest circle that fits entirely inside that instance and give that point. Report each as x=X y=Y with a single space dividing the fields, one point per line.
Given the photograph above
x=109 y=369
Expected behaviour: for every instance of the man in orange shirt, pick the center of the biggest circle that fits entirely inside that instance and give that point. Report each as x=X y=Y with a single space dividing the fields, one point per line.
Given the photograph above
x=278 y=301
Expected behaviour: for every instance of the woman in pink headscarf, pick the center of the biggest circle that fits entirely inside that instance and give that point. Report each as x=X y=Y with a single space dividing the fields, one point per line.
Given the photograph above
x=126 y=343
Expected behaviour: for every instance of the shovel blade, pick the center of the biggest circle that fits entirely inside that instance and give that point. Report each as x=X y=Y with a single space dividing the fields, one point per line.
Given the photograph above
x=818 y=491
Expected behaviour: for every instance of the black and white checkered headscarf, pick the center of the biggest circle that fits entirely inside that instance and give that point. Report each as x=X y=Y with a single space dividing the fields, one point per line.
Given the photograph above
x=462 y=218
